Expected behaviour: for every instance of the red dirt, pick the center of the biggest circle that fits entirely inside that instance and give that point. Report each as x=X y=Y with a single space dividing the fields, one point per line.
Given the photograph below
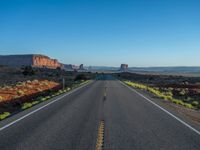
x=24 y=89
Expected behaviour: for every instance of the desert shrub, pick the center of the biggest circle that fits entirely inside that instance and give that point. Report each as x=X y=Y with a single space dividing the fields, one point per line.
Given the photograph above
x=179 y=102
x=4 y=115
x=188 y=105
x=7 y=87
x=170 y=89
x=28 y=81
x=182 y=92
x=60 y=91
x=39 y=98
x=1 y=98
x=35 y=102
x=38 y=89
x=20 y=92
x=188 y=99
x=175 y=101
x=45 y=83
x=35 y=81
x=166 y=96
x=19 y=83
x=56 y=94
x=47 y=97
x=43 y=99
x=26 y=105
x=195 y=103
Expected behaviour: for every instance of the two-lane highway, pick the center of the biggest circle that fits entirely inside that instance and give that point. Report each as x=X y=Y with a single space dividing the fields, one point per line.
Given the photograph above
x=70 y=123
x=131 y=123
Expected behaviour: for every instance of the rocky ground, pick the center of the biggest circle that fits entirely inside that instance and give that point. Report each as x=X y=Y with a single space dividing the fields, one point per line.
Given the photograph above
x=25 y=85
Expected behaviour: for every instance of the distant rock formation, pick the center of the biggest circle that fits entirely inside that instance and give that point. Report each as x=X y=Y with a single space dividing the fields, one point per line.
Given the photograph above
x=70 y=67
x=34 y=60
x=81 y=67
x=124 y=67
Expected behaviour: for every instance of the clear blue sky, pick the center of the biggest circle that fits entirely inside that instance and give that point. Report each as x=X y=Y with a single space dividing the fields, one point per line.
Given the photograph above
x=104 y=32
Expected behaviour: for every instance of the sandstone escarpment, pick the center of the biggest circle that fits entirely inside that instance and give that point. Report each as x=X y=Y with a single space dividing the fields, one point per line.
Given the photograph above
x=33 y=60
x=44 y=61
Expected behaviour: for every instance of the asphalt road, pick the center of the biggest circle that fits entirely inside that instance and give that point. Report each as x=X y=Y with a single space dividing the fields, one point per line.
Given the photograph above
x=71 y=123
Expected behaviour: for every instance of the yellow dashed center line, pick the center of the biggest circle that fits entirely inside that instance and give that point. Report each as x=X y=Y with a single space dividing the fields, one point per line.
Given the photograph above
x=100 y=138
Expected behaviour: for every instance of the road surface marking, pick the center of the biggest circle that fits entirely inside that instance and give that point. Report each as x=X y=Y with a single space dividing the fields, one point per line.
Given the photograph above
x=105 y=93
x=178 y=119
x=100 y=136
x=40 y=108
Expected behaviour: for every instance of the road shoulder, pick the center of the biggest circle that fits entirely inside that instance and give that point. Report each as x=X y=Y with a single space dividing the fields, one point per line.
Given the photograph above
x=184 y=114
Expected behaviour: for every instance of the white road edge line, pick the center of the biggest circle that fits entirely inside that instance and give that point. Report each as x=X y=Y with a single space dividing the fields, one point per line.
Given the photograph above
x=38 y=109
x=178 y=119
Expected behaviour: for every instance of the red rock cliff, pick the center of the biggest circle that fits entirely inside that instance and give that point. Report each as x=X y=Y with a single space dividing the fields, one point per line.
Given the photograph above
x=44 y=61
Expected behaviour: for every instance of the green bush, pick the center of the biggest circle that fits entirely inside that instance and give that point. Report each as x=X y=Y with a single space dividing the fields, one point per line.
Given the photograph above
x=179 y=102
x=43 y=99
x=47 y=97
x=26 y=105
x=4 y=115
x=195 y=103
x=182 y=92
x=20 y=92
x=60 y=92
x=188 y=105
x=35 y=102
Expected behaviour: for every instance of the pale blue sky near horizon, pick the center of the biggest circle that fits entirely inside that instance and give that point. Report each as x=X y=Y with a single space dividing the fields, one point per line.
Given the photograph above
x=140 y=33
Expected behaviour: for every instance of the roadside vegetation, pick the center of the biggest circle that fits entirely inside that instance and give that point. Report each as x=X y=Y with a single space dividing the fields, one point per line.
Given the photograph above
x=166 y=95
x=4 y=115
x=34 y=101
x=180 y=90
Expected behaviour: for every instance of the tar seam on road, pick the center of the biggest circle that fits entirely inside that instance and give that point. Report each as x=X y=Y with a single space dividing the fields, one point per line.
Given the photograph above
x=100 y=136
x=105 y=94
x=178 y=119
x=40 y=108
